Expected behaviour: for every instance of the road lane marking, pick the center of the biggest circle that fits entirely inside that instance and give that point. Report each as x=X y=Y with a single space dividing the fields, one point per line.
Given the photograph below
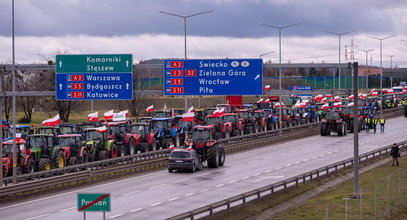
x=329 y=152
x=63 y=210
x=246 y=177
x=172 y=199
x=314 y=157
x=281 y=154
x=204 y=190
x=233 y=181
x=129 y=193
x=40 y=216
x=220 y=185
x=153 y=187
x=115 y=216
x=267 y=171
x=288 y=165
x=297 y=162
x=259 y=179
x=321 y=155
x=277 y=168
x=254 y=161
x=257 y=174
x=181 y=180
x=155 y=204
x=136 y=210
x=190 y=194
x=305 y=160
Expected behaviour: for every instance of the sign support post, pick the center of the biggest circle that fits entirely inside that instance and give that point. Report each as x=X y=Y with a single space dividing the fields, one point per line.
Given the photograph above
x=94 y=202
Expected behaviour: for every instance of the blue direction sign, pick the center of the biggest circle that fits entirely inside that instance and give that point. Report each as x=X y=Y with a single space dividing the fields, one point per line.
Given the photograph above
x=300 y=87
x=213 y=77
x=94 y=77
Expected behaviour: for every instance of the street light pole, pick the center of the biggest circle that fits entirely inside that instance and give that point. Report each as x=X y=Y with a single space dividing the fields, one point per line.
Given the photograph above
x=381 y=67
x=366 y=70
x=391 y=61
x=263 y=54
x=339 y=50
x=14 y=100
x=279 y=69
x=185 y=36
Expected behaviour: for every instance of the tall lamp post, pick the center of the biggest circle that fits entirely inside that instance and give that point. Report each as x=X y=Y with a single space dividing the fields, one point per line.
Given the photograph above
x=339 y=50
x=381 y=67
x=263 y=54
x=366 y=70
x=391 y=61
x=185 y=34
x=279 y=69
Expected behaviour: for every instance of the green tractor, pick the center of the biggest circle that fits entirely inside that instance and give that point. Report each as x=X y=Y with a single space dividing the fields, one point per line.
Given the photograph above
x=97 y=144
x=46 y=153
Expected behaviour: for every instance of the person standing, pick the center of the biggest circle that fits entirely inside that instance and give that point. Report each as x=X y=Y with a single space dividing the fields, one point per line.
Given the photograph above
x=382 y=121
x=374 y=123
x=367 y=124
x=394 y=153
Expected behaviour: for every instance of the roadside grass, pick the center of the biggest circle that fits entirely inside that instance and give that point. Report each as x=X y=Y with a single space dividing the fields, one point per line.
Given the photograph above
x=359 y=209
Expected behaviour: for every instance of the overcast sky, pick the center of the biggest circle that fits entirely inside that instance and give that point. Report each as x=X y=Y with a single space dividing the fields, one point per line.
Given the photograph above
x=43 y=27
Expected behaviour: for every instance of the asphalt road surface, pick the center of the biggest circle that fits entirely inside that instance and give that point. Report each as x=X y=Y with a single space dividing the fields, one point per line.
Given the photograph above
x=160 y=194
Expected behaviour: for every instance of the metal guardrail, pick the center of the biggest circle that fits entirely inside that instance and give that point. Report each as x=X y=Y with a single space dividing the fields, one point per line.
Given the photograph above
x=243 y=198
x=148 y=160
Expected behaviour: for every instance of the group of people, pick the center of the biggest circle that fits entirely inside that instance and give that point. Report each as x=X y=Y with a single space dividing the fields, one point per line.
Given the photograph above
x=371 y=122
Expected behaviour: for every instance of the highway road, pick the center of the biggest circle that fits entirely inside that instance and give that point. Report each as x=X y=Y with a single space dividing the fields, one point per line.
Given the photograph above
x=160 y=194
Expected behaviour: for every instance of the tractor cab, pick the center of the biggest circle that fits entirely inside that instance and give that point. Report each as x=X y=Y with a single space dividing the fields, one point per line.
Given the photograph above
x=68 y=129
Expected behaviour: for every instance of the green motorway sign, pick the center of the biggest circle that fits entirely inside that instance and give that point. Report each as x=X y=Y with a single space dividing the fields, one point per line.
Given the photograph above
x=94 y=63
x=93 y=202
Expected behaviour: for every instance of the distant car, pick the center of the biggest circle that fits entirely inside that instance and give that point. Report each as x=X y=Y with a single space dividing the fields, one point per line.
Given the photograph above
x=184 y=159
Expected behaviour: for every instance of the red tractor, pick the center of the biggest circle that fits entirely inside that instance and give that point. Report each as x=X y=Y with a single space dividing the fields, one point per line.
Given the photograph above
x=73 y=148
x=140 y=138
x=222 y=130
x=25 y=163
x=232 y=120
x=207 y=148
x=249 y=122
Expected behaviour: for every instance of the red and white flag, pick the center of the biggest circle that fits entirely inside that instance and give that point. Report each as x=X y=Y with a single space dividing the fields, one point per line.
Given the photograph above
x=336 y=99
x=108 y=114
x=267 y=101
x=375 y=93
x=390 y=91
x=101 y=129
x=267 y=87
x=221 y=111
x=325 y=106
x=150 y=108
x=372 y=91
x=328 y=95
x=125 y=112
x=52 y=121
x=216 y=112
x=318 y=98
x=93 y=116
x=190 y=116
x=350 y=97
x=351 y=104
x=337 y=104
x=260 y=101
x=121 y=116
x=278 y=104
x=324 y=100
x=191 y=109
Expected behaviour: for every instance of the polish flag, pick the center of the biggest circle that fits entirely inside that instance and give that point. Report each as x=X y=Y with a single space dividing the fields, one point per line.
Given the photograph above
x=364 y=96
x=351 y=104
x=278 y=104
x=404 y=92
x=190 y=116
x=150 y=108
x=384 y=90
x=93 y=116
x=191 y=109
x=318 y=98
x=325 y=106
x=267 y=101
x=260 y=101
x=125 y=113
x=336 y=99
x=337 y=104
x=216 y=112
x=306 y=102
x=121 y=116
x=350 y=97
x=101 y=129
x=52 y=121
x=324 y=100
x=303 y=105
x=267 y=87
x=222 y=111
x=390 y=91
x=374 y=93
x=108 y=115
x=328 y=95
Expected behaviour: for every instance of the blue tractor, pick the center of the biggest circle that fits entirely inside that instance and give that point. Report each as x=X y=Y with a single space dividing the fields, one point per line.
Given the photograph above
x=166 y=133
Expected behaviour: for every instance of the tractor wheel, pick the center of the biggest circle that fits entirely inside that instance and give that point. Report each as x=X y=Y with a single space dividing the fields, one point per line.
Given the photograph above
x=170 y=170
x=235 y=133
x=143 y=147
x=351 y=127
x=60 y=160
x=167 y=143
x=345 y=132
x=85 y=157
x=218 y=135
x=193 y=168
x=339 y=129
x=19 y=170
x=113 y=151
x=29 y=167
x=177 y=140
x=73 y=161
x=121 y=150
x=323 y=130
x=132 y=147
x=103 y=155
x=221 y=159
x=44 y=164
x=213 y=157
x=227 y=133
